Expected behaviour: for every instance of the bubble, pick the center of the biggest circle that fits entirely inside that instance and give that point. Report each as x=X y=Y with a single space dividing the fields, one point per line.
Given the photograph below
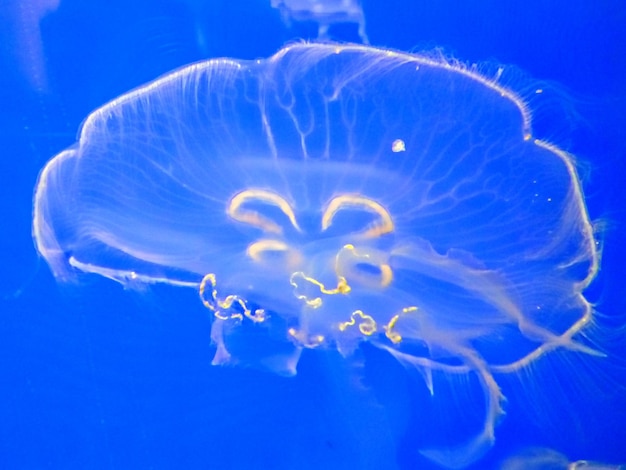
x=331 y=196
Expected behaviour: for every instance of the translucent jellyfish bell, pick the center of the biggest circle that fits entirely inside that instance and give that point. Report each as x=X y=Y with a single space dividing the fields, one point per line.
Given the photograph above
x=332 y=195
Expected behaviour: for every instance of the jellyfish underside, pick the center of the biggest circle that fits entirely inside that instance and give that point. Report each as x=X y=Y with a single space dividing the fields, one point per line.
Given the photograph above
x=332 y=195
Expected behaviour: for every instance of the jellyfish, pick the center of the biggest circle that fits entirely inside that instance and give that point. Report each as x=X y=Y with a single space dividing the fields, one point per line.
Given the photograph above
x=22 y=28
x=548 y=459
x=325 y=13
x=336 y=197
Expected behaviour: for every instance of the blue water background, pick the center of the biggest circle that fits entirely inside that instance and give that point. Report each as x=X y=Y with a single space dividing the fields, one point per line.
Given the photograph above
x=97 y=377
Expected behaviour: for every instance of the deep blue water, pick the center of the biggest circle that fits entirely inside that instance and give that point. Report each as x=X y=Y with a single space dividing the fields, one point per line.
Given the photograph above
x=93 y=376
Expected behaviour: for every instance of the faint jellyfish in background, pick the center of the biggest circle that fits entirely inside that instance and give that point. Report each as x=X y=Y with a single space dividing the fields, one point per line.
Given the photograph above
x=548 y=459
x=201 y=11
x=325 y=13
x=21 y=31
x=331 y=196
